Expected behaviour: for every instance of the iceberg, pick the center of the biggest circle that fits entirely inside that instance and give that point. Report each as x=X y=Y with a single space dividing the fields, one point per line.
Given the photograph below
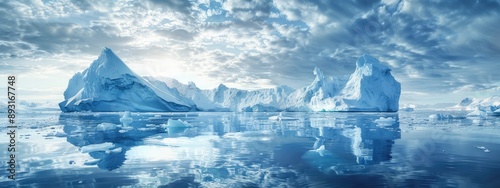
x=177 y=123
x=126 y=119
x=108 y=85
x=370 y=88
x=480 y=107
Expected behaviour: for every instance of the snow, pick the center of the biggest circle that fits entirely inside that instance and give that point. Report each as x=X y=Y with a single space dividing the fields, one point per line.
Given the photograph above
x=109 y=85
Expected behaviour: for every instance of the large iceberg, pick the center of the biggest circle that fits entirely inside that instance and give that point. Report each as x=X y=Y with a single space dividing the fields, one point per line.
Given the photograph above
x=370 y=88
x=109 y=85
x=480 y=107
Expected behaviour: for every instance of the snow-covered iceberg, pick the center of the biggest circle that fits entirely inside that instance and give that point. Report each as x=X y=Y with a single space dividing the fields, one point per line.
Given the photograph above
x=109 y=85
x=370 y=88
x=480 y=107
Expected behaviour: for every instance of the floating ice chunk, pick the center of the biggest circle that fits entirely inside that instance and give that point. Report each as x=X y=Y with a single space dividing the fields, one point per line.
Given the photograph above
x=177 y=123
x=444 y=117
x=438 y=116
x=122 y=131
x=385 y=121
x=56 y=134
x=126 y=119
x=157 y=116
x=91 y=162
x=97 y=147
x=280 y=117
x=321 y=150
x=116 y=150
x=483 y=148
x=407 y=109
x=106 y=127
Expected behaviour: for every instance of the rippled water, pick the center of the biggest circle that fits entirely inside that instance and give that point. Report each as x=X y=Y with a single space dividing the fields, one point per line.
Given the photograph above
x=403 y=149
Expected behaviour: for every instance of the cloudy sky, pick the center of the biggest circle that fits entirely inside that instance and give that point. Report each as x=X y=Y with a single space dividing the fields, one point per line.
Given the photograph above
x=440 y=50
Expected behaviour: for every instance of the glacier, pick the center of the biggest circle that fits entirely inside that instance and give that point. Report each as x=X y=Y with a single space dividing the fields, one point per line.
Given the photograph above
x=109 y=85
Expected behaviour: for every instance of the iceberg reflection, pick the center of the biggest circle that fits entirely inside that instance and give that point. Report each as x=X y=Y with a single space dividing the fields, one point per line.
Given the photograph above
x=105 y=137
x=369 y=139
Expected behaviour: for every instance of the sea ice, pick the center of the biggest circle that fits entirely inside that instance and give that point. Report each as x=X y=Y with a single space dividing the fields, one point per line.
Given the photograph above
x=126 y=119
x=177 y=123
x=385 y=121
x=106 y=127
x=97 y=147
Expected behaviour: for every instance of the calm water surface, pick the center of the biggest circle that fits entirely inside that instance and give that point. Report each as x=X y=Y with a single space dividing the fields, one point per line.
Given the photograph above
x=405 y=149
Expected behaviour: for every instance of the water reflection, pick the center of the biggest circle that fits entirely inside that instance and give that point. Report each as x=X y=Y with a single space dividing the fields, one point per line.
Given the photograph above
x=367 y=138
x=104 y=138
x=236 y=146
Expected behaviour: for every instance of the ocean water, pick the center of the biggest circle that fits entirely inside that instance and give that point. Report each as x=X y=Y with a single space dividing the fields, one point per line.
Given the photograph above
x=404 y=149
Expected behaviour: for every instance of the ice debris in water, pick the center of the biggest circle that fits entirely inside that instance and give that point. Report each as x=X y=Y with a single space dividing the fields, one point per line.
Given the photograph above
x=444 y=117
x=483 y=148
x=280 y=117
x=321 y=150
x=126 y=119
x=157 y=116
x=277 y=118
x=106 y=127
x=385 y=121
x=97 y=147
x=177 y=123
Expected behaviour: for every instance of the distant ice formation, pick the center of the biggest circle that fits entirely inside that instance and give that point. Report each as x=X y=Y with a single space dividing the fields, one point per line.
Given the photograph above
x=480 y=107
